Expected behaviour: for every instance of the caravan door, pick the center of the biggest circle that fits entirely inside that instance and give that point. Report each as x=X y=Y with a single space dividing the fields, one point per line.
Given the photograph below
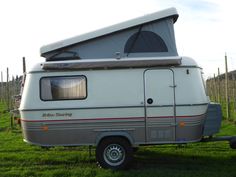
x=159 y=105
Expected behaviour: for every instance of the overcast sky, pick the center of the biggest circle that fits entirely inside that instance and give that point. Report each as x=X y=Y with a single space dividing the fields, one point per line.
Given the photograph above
x=204 y=31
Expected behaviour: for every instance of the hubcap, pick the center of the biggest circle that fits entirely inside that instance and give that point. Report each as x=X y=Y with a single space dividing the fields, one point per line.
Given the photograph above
x=114 y=154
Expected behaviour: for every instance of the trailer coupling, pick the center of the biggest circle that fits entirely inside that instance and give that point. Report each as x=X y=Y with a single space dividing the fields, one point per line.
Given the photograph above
x=230 y=139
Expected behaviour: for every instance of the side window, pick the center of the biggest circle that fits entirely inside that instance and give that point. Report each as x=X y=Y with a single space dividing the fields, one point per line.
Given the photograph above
x=145 y=41
x=63 y=88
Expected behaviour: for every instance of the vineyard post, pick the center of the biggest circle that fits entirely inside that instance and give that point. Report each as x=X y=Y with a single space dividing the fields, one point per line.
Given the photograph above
x=233 y=96
x=24 y=65
x=226 y=88
x=214 y=89
x=24 y=74
x=13 y=90
x=16 y=85
x=218 y=86
x=8 y=91
x=12 y=93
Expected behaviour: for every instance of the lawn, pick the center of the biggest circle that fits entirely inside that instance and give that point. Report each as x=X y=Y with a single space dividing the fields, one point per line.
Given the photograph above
x=18 y=158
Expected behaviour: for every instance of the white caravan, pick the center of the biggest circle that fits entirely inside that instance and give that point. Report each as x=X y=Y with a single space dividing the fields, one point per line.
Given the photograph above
x=116 y=88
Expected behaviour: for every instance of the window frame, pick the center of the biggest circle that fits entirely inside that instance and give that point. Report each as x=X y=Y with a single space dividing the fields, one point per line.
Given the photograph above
x=69 y=99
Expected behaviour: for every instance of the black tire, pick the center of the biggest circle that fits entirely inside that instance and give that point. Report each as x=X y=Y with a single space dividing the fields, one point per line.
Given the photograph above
x=232 y=143
x=135 y=149
x=114 y=153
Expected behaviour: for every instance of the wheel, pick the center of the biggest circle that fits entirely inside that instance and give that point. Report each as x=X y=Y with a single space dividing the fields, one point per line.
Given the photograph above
x=114 y=153
x=232 y=143
x=135 y=149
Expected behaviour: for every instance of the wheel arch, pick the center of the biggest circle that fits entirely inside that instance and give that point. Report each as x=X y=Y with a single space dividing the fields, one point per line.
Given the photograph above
x=105 y=135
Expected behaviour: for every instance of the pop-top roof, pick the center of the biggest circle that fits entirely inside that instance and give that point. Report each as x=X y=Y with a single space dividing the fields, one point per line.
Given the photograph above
x=171 y=12
x=147 y=36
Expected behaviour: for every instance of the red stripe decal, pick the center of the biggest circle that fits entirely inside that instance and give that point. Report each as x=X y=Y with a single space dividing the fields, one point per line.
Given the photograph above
x=121 y=118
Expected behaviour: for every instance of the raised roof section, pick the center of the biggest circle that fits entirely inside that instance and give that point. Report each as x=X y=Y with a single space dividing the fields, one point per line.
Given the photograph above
x=111 y=41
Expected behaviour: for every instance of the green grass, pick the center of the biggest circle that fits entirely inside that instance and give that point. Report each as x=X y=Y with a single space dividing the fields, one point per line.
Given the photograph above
x=18 y=159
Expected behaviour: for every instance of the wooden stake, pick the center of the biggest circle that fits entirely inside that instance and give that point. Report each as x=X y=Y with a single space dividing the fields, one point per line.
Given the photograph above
x=24 y=76
x=24 y=65
x=214 y=89
x=8 y=92
x=226 y=88
x=233 y=88
x=218 y=87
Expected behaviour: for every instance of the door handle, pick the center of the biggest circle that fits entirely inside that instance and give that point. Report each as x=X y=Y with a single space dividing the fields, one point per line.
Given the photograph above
x=149 y=100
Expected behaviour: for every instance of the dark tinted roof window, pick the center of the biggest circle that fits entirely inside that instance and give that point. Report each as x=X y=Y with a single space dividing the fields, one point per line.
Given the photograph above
x=145 y=41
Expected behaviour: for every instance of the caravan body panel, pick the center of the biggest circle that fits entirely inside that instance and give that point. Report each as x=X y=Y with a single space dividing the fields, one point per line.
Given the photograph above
x=115 y=103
